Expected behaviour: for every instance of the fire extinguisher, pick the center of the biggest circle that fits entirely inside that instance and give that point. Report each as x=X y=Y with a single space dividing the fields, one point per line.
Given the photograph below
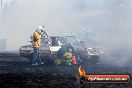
x=73 y=59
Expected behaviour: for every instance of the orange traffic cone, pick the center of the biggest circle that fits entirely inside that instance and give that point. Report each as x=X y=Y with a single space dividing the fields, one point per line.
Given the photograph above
x=73 y=59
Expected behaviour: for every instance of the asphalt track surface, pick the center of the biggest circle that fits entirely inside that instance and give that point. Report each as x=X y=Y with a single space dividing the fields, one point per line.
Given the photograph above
x=16 y=72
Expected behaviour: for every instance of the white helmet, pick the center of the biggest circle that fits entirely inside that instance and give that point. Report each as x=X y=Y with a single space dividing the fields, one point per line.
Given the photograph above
x=40 y=29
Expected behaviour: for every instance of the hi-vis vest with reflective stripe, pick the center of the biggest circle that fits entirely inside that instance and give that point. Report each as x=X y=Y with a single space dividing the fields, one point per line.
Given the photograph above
x=36 y=39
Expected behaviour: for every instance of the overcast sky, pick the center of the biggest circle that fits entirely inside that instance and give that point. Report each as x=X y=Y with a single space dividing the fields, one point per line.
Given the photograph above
x=109 y=20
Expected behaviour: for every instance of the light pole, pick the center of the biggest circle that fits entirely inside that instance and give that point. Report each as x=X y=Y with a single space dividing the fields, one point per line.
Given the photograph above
x=1 y=6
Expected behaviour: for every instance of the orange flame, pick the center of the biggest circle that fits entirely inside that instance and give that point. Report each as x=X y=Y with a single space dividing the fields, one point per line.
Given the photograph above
x=81 y=71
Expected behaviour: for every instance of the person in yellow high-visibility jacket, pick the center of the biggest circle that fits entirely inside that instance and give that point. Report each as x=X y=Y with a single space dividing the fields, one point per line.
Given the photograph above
x=36 y=42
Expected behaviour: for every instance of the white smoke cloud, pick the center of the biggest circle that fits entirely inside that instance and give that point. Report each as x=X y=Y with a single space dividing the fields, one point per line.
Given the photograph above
x=93 y=13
